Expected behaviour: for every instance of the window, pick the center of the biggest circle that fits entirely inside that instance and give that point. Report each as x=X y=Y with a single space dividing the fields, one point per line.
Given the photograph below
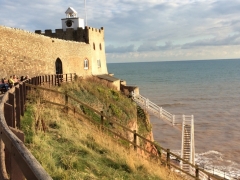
x=99 y=63
x=85 y=64
x=100 y=46
x=94 y=46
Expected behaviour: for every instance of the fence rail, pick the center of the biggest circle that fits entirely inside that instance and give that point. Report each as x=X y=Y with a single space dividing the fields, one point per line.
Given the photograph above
x=16 y=161
x=23 y=163
x=105 y=119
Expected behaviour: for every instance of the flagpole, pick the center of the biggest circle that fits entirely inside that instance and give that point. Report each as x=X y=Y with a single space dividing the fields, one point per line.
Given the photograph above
x=85 y=12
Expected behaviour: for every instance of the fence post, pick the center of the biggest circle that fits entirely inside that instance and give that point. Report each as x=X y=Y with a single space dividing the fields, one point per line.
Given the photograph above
x=49 y=80
x=135 y=140
x=55 y=80
x=168 y=158
x=197 y=172
x=8 y=113
x=18 y=111
x=21 y=99
x=66 y=101
x=52 y=80
x=15 y=171
x=24 y=93
x=173 y=120
x=12 y=102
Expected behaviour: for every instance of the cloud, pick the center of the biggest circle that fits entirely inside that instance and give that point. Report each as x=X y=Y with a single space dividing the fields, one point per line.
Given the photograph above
x=138 y=26
x=121 y=49
x=216 y=41
x=151 y=46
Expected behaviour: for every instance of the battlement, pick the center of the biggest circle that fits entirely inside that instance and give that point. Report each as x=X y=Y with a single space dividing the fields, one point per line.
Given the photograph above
x=95 y=29
x=79 y=35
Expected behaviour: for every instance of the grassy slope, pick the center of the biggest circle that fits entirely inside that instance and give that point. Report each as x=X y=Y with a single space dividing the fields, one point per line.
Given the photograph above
x=70 y=148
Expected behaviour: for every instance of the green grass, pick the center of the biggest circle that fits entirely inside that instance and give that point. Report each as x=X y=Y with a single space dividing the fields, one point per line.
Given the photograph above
x=96 y=93
x=70 y=147
x=27 y=125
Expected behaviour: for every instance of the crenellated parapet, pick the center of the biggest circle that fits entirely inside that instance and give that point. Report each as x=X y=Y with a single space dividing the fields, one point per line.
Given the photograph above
x=79 y=35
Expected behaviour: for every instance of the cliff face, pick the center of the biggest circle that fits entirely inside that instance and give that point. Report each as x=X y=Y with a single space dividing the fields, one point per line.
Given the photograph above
x=145 y=128
x=117 y=107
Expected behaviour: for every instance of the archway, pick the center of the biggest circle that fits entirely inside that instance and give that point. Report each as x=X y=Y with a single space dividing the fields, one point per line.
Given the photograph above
x=58 y=65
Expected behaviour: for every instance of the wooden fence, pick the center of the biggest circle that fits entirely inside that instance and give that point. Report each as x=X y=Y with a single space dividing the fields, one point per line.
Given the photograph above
x=16 y=161
x=105 y=121
x=20 y=161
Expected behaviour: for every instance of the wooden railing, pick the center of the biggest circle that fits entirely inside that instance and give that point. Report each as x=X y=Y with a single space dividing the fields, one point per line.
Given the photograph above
x=163 y=157
x=16 y=161
x=24 y=163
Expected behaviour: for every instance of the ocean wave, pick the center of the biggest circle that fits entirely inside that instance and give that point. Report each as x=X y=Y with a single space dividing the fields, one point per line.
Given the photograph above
x=214 y=162
x=172 y=105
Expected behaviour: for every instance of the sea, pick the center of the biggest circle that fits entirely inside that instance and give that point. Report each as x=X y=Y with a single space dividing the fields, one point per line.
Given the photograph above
x=207 y=89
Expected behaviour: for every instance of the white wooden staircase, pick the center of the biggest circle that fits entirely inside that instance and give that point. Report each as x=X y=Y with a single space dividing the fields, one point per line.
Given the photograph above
x=188 y=149
x=183 y=123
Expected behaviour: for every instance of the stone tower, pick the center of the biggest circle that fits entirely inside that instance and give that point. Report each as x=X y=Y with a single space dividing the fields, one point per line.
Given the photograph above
x=93 y=58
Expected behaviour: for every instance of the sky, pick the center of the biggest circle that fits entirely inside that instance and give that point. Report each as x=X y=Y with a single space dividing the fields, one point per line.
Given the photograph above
x=142 y=30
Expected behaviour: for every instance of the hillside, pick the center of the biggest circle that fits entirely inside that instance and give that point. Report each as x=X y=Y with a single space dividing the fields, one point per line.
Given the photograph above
x=69 y=147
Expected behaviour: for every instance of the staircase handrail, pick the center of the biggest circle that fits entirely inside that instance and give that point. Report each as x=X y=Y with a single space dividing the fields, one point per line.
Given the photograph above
x=154 y=108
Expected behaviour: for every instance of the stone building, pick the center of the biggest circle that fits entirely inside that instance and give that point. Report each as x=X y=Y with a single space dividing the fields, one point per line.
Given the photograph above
x=72 y=49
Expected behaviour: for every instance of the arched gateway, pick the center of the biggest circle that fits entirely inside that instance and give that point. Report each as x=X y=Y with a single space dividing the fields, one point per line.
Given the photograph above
x=58 y=65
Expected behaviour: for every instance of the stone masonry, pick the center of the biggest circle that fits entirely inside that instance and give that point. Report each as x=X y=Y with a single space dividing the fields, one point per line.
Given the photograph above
x=27 y=53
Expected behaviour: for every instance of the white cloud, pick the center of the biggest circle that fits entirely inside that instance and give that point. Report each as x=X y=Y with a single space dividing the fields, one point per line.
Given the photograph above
x=150 y=29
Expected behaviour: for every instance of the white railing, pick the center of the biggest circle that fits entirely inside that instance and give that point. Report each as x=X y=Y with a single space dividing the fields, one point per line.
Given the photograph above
x=178 y=121
x=153 y=108
x=188 y=125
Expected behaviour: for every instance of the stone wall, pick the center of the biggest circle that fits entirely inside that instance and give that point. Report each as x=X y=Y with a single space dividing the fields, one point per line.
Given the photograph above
x=79 y=35
x=96 y=40
x=26 y=53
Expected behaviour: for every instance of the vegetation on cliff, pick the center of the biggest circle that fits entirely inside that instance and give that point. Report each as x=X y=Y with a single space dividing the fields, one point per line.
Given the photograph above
x=69 y=147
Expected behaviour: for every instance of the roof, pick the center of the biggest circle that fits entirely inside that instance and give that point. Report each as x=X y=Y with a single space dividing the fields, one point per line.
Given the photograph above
x=71 y=11
x=107 y=77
